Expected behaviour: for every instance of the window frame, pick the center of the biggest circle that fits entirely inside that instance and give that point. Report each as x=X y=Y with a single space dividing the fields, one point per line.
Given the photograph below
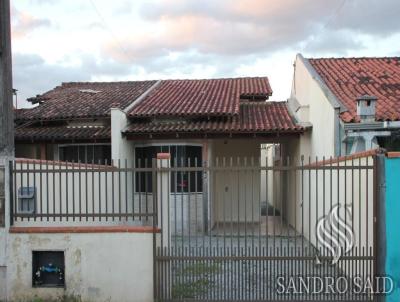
x=169 y=145
x=59 y=147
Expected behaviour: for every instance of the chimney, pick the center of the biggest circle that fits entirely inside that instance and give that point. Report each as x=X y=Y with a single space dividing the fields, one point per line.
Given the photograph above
x=366 y=107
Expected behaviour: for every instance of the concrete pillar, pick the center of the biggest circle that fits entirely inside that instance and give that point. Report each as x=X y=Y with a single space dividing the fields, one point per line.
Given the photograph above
x=163 y=197
x=121 y=148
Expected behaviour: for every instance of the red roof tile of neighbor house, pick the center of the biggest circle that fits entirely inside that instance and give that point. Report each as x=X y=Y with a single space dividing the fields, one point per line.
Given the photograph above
x=209 y=97
x=61 y=133
x=254 y=117
x=350 y=78
x=84 y=100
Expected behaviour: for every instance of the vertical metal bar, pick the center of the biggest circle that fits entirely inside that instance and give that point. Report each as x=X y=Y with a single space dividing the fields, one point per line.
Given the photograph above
x=196 y=203
x=86 y=191
x=154 y=218
x=126 y=189
x=189 y=201
x=238 y=204
x=302 y=205
x=11 y=174
x=60 y=188
x=15 y=195
x=119 y=189
x=34 y=185
x=245 y=203
x=80 y=189
x=224 y=200
x=73 y=192
x=113 y=189
x=106 y=191
x=376 y=215
x=67 y=189
x=99 y=192
x=140 y=185
x=182 y=203
x=41 y=189
x=47 y=189
x=134 y=189
x=93 y=203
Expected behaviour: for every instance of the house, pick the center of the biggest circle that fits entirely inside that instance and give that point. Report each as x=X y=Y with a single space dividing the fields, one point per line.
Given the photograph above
x=72 y=122
x=198 y=122
x=180 y=180
x=353 y=104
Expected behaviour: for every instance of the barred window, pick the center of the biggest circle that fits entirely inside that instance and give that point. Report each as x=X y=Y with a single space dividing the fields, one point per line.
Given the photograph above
x=86 y=153
x=181 y=156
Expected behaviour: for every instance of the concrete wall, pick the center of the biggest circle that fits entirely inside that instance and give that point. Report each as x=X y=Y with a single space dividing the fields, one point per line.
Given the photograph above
x=121 y=148
x=392 y=207
x=312 y=192
x=316 y=108
x=98 y=267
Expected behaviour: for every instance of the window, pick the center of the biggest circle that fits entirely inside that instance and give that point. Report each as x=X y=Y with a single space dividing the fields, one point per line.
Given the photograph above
x=26 y=200
x=181 y=156
x=85 y=153
x=48 y=269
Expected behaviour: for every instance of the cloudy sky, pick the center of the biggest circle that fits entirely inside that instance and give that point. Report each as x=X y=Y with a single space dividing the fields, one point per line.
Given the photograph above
x=58 y=41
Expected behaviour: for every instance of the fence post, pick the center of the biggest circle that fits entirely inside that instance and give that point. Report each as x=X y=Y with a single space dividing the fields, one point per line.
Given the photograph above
x=163 y=193
x=379 y=208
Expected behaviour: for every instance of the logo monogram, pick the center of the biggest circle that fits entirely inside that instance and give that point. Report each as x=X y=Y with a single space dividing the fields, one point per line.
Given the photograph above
x=334 y=233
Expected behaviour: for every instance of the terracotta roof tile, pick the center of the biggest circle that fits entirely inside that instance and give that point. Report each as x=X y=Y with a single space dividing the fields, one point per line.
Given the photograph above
x=84 y=100
x=210 y=97
x=50 y=133
x=254 y=117
x=349 y=78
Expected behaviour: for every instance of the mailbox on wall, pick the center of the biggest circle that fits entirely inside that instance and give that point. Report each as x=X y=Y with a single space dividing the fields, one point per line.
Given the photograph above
x=48 y=269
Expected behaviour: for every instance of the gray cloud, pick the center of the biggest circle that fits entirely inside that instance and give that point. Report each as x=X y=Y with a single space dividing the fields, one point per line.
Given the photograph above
x=248 y=27
x=32 y=75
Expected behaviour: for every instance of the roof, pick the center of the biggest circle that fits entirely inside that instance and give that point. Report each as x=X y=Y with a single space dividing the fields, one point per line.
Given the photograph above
x=209 y=97
x=350 y=78
x=83 y=100
x=61 y=133
x=254 y=117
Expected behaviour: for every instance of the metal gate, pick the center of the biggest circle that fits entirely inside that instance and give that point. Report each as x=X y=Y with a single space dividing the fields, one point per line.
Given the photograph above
x=246 y=230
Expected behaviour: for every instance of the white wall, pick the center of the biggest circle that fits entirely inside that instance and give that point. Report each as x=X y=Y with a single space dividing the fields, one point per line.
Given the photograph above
x=98 y=267
x=81 y=192
x=121 y=148
x=315 y=108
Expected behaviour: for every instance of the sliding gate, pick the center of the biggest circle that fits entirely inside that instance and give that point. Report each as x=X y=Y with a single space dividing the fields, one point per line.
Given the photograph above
x=245 y=230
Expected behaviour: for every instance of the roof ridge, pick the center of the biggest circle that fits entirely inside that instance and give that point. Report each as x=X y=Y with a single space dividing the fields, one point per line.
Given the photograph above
x=355 y=58
x=102 y=82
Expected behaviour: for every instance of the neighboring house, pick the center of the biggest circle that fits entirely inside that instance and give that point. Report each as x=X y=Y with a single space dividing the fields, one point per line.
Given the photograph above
x=72 y=122
x=353 y=104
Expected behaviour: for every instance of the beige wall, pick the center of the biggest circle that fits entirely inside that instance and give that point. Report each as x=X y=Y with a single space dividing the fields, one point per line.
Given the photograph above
x=312 y=198
x=236 y=192
x=98 y=267
x=315 y=108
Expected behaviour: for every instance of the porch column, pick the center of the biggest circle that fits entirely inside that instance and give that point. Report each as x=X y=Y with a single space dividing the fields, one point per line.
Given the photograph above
x=163 y=194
